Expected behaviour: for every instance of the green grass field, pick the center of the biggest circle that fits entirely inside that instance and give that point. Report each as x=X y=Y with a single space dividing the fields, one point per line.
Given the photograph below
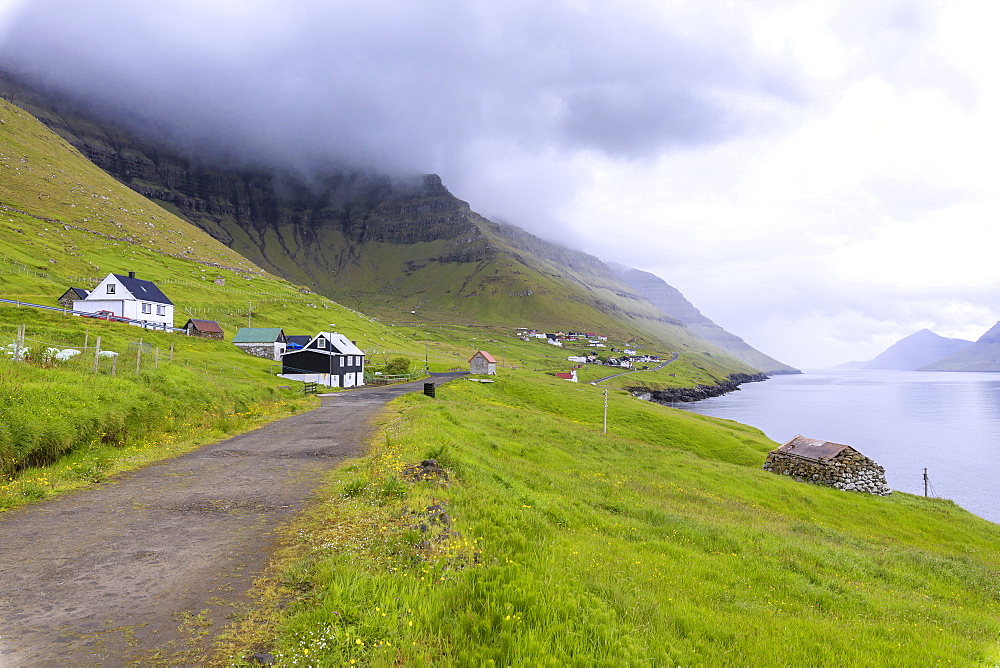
x=661 y=543
x=550 y=543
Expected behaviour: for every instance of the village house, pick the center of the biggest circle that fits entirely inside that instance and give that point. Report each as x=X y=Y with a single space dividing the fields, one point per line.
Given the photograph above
x=482 y=363
x=329 y=358
x=208 y=329
x=266 y=342
x=129 y=297
x=297 y=341
x=825 y=463
x=570 y=376
x=73 y=294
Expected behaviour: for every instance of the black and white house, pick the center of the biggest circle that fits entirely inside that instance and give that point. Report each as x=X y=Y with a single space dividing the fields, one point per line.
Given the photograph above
x=328 y=359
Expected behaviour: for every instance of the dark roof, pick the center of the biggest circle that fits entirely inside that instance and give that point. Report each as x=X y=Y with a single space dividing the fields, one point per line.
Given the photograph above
x=811 y=448
x=204 y=325
x=79 y=292
x=298 y=340
x=141 y=289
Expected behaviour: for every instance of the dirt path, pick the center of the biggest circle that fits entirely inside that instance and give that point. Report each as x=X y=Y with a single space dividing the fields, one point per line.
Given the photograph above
x=153 y=562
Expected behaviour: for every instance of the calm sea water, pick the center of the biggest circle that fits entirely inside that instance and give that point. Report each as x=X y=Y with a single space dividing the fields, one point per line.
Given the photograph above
x=904 y=420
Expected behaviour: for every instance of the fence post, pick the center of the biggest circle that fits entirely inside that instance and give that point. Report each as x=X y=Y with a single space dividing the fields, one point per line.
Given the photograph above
x=138 y=357
x=171 y=351
x=156 y=358
x=97 y=355
x=114 y=365
x=18 y=343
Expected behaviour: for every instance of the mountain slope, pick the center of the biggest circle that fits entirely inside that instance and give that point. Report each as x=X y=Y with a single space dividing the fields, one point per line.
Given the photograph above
x=983 y=355
x=916 y=350
x=403 y=250
x=66 y=223
x=670 y=300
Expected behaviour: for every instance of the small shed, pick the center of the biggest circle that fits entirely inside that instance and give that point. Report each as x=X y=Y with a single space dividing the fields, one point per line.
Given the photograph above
x=570 y=375
x=830 y=464
x=72 y=295
x=208 y=329
x=482 y=363
x=266 y=342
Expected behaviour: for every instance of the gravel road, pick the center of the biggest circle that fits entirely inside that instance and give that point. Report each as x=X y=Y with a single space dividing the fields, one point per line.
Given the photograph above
x=152 y=563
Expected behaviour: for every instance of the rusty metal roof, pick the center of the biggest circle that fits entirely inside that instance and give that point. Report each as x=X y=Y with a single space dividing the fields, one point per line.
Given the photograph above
x=486 y=355
x=204 y=325
x=812 y=448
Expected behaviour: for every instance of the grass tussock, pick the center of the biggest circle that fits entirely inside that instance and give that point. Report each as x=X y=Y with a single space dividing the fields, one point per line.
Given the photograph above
x=662 y=543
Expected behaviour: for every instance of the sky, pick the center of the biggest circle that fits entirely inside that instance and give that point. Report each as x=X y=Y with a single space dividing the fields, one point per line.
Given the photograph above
x=818 y=177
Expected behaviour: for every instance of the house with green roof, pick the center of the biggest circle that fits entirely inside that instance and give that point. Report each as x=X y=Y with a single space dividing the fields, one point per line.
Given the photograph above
x=266 y=342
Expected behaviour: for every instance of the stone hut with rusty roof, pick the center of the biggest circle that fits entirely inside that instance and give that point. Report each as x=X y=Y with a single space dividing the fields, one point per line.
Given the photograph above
x=825 y=463
x=208 y=329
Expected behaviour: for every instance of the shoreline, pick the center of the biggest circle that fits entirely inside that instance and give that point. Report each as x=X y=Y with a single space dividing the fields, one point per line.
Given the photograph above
x=697 y=393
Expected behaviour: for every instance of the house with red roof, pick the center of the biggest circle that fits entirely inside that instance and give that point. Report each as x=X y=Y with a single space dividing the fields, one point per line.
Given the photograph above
x=482 y=363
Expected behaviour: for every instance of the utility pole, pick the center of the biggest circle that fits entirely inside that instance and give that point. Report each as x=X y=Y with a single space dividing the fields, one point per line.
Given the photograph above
x=605 y=412
x=925 y=482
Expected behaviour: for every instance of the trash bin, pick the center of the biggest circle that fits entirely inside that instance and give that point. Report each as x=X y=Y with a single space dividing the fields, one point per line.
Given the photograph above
x=429 y=389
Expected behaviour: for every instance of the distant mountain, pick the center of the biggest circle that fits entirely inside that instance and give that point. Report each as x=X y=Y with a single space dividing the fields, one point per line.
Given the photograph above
x=983 y=355
x=851 y=365
x=670 y=300
x=915 y=351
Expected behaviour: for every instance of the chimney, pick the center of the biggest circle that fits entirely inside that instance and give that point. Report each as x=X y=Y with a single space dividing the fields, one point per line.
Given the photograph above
x=131 y=274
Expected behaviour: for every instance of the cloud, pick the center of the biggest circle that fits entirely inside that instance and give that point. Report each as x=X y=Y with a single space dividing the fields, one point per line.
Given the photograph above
x=399 y=85
x=818 y=177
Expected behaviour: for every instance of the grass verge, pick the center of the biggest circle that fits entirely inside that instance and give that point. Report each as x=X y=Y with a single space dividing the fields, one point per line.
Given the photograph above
x=661 y=543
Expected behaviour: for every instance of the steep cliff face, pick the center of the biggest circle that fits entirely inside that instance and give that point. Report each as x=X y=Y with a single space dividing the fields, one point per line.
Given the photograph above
x=400 y=249
x=670 y=300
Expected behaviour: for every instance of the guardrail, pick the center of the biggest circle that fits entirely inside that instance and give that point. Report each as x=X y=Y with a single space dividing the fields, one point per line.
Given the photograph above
x=145 y=324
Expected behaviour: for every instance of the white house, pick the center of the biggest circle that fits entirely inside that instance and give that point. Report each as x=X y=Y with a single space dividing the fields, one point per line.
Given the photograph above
x=129 y=297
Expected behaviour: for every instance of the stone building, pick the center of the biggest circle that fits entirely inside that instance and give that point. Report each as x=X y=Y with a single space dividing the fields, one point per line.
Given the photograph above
x=208 y=329
x=266 y=342
x=831 y=464
x=72 y=295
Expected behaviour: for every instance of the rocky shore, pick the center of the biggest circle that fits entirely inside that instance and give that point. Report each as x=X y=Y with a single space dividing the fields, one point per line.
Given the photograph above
x=697 y=393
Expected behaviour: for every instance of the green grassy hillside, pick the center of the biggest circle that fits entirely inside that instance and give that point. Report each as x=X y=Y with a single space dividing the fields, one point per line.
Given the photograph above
x=406 y=251
x=660 y=543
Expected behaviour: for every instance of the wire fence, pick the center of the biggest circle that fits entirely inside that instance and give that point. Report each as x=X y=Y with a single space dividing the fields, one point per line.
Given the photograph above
x=86 y=353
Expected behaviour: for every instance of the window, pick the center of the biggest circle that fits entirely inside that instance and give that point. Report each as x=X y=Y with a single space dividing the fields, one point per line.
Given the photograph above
x=147 y=308
x=110 y=288
x=161 y=310
x=321 y=343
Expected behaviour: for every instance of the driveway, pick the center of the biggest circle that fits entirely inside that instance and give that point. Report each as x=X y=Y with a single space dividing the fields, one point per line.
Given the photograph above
x=152 y=563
